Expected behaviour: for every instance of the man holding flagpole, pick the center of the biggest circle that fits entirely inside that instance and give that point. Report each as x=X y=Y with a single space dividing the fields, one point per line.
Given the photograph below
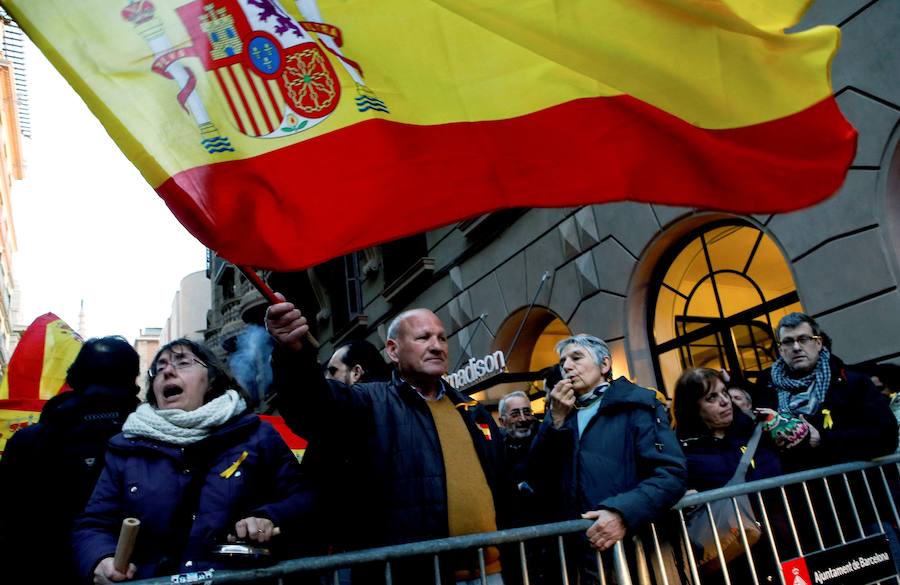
x=431 y=455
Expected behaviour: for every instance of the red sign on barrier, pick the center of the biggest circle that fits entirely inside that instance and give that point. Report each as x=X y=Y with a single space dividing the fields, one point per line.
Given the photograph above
x=859 y=562
x=796 y=572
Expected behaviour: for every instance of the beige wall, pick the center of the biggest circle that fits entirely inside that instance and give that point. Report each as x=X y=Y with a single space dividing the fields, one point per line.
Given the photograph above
x=189 y=307
x=146 y=345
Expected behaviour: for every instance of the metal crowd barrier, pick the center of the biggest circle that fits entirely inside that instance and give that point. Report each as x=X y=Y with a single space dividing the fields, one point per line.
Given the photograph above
x=808 y=514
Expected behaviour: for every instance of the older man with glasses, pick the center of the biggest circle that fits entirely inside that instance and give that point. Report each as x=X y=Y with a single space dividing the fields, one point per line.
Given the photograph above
x=845 y=417
x=518 y=424
x=516 y=418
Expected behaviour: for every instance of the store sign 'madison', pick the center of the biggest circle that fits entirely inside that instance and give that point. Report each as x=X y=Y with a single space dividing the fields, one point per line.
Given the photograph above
x=476 y=369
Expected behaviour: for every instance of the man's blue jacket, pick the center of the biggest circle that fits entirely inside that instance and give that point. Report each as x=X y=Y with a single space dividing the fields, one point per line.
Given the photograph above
x=627 y=459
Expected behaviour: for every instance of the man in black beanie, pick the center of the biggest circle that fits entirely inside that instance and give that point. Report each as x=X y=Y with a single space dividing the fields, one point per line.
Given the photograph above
x=49 y=469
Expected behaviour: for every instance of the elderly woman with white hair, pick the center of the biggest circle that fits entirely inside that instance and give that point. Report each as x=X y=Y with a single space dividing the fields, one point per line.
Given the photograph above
x=609 y=445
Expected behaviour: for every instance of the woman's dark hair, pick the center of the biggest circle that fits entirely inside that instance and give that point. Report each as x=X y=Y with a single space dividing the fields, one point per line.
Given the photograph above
x=693 y=385
x=105 y=361
x=219 y=378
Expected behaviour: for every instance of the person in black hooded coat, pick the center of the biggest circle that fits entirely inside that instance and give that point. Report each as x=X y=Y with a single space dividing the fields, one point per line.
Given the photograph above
x=49 y=469
x=606 y=452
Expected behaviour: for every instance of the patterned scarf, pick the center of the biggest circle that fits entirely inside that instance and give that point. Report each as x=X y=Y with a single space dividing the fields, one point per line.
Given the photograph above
x=183 y=427
x=802 y=395
x=585 y=400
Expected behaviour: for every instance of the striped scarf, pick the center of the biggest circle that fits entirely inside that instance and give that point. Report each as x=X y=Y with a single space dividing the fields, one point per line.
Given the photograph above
x=802 y=395
x=585 y=400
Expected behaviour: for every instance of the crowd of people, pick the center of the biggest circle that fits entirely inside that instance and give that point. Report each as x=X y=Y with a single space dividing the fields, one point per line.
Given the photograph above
x=397 y=455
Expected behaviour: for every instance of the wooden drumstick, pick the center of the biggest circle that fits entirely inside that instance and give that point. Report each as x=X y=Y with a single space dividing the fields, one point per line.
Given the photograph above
x=125 y=546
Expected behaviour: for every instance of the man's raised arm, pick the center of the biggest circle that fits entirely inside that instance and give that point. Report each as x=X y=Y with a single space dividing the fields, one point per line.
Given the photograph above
x=303 y=393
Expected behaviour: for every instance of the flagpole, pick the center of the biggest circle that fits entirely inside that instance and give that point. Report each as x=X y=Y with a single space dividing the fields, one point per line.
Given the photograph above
x=269 y=295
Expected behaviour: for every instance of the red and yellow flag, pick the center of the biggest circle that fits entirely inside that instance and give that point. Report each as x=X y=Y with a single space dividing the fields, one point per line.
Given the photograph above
x=36 y=373
x=296 y=444
x=282 y=134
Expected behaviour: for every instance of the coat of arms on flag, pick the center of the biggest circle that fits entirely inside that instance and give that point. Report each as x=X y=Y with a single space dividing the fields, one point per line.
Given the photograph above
x=273 y=76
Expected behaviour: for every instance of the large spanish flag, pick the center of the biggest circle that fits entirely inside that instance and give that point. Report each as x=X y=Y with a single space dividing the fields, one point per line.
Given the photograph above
x=283 y=134
x=36 y=373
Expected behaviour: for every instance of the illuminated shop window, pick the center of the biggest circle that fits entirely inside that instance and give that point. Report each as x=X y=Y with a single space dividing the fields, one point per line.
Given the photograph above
x=544 y=353
x=717 y=297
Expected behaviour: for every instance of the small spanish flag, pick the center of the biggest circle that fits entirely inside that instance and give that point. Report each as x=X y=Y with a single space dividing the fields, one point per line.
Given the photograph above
x=36 y=373
x=486 y=430
x=296 y=444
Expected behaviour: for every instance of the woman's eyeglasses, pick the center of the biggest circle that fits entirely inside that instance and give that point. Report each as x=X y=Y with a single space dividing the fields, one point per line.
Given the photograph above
x=180 y=361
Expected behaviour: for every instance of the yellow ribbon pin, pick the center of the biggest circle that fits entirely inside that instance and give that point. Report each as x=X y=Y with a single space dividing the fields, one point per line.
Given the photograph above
x=230 y=471
x=752 y=460
x=827 y=423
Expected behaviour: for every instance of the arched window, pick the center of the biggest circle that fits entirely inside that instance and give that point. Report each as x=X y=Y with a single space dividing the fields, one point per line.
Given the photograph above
x=528 y=338
x=718 y=296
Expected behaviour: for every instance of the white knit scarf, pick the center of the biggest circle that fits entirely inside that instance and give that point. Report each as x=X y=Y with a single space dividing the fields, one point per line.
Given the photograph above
x=183 y=427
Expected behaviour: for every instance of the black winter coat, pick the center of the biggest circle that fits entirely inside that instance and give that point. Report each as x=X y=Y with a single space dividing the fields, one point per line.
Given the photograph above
x=401 y=486
x=862 y=424
x=47 y=474
x=189 y=498
x=627 y=459
x=712 y=461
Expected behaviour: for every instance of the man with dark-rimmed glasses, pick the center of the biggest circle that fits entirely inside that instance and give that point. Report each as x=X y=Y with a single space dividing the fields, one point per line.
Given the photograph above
x=847 y=419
